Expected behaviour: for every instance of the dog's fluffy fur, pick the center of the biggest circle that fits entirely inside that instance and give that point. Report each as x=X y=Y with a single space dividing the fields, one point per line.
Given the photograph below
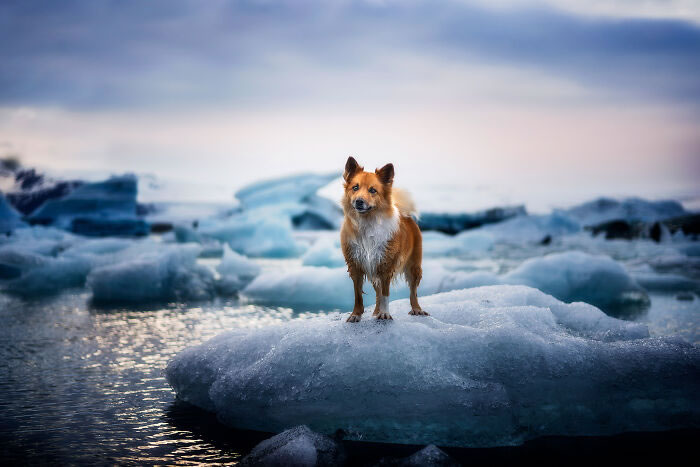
x=380 y=238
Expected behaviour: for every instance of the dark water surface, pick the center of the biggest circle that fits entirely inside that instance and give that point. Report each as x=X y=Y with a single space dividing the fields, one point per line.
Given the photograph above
x=85 y=385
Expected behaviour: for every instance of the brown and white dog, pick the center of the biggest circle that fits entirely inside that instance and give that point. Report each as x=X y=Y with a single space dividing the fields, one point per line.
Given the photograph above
x=379 y=237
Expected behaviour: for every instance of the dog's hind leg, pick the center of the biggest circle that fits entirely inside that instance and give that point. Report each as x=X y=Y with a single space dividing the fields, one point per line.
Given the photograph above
x=414 y=273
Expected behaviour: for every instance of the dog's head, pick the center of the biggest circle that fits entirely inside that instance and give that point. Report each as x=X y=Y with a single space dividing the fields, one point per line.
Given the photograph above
x=367 y=192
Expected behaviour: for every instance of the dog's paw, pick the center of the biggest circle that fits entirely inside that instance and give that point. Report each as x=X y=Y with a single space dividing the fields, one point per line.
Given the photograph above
x=384 y=315
x=418 y=313
x=354 y=319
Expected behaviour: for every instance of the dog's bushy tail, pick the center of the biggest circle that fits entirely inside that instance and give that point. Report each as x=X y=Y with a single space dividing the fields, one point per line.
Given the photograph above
x=404 y=202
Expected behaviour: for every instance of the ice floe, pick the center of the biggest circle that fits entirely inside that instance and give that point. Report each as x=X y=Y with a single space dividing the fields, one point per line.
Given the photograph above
x=491 y=366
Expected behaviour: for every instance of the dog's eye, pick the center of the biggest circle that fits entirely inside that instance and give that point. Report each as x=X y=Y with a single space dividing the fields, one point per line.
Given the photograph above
x=372 y=190
x=356 y=187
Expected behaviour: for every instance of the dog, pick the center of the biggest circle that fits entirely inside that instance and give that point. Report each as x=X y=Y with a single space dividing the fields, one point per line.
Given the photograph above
x=380 y=239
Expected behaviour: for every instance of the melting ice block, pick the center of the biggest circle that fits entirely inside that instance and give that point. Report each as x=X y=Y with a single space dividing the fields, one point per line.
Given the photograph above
x=491 y=366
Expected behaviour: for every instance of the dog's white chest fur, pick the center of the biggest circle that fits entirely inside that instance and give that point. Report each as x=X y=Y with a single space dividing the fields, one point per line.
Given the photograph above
x=370 y=243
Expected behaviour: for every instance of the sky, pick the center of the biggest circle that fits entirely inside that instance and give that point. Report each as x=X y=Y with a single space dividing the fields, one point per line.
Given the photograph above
x=476 y=103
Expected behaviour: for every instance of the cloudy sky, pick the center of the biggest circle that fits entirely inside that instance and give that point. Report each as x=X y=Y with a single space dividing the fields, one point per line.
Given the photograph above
x=540 y=101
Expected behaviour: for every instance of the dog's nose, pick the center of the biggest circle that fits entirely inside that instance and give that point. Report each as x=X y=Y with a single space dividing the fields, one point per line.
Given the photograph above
x=360 y=203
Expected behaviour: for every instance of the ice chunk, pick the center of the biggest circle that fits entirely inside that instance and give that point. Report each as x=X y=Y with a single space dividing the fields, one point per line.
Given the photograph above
x=576 y=276
x=9 y=218
x=491 y=366
x=297 y=446
x=96 y=209
x=236 y=271
x=630 y=209
x=324 y=252
x=429 y=456
x=162 y=274
x=33 y=275
x=653 y=281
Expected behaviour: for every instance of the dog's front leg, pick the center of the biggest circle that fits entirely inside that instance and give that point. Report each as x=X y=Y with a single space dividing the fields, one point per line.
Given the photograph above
x=359 y=308
x=381 y=310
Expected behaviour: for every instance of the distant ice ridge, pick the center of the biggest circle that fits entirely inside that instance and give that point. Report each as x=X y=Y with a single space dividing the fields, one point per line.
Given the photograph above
x=269 y=212
x=630 y=209
x=491 y=366
x=569 y=276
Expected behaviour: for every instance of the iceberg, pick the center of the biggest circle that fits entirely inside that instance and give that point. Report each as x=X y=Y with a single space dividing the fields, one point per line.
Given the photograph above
x=295 y=194
x=96 y=209
x=257 y=233
x=533 y=228
x=27 y=190
x=455 y=223
x=160 y=274
x=268 y=214
x=491 y=366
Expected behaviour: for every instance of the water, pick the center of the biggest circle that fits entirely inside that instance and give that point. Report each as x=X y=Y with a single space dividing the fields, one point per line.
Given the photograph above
x=86 y=385
x=82 y=384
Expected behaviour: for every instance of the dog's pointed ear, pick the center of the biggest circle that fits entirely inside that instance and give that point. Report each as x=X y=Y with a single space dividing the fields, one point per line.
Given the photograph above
x=351 y=167
x=386 y=174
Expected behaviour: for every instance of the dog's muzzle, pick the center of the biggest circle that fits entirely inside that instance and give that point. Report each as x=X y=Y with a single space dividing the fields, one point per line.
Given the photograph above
x=361 y=206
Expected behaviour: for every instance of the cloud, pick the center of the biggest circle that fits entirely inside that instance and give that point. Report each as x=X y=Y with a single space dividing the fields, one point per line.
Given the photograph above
x=248 y=54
